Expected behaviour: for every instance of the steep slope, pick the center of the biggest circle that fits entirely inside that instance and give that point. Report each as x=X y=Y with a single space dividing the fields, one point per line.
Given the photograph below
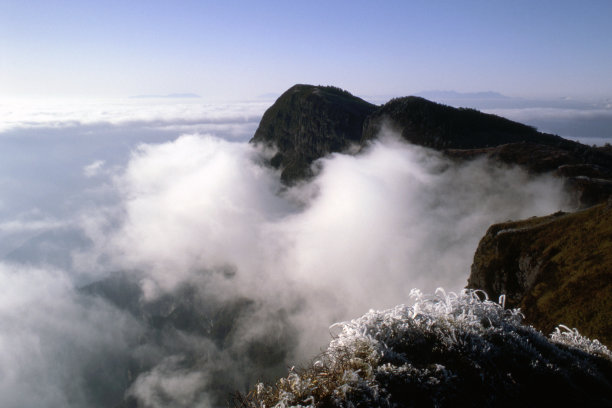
x=465 y=134
x=308 y=122
x=557 y=269
x=586 y=170
x=441 y=127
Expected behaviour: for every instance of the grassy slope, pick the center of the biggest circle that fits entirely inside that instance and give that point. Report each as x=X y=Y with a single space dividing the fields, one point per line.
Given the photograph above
x=570 y=257
x=439 y=126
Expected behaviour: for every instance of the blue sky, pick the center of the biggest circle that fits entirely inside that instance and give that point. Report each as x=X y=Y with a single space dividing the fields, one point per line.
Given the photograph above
x=239 y=50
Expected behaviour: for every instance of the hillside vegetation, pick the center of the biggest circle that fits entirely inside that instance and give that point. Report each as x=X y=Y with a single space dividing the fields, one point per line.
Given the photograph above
x=308 y=122
x=461 y=350
x=431 y=124
x=446 y=351
x=557 y=269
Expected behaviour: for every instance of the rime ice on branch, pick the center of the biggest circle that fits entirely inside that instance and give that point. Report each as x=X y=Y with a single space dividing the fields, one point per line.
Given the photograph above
x=446 y=350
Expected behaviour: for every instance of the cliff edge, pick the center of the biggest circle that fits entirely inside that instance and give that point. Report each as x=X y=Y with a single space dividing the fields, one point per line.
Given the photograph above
x=557 y=269
x=308 y=122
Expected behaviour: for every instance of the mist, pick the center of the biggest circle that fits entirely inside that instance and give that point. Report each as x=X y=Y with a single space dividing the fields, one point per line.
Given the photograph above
x=60 y=156
x=173 y=267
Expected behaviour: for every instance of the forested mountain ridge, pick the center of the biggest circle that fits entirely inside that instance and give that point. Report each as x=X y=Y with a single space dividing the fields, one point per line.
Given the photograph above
x=519 y=261
x=309 y=122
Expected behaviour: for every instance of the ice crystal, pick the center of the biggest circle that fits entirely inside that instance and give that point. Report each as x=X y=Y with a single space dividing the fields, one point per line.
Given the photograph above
x=447 y=349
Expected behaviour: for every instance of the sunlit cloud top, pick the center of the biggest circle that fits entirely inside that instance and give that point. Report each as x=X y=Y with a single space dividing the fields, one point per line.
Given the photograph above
x=180 y=115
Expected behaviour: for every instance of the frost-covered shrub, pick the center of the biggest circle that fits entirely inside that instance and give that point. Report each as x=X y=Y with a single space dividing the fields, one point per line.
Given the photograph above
x=446 y=350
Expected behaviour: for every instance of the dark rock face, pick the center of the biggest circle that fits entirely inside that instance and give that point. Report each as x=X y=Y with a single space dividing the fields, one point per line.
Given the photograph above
x=536 y=158
x=557 y=269
x=587 y=171
x=308 y=122
x=467 y=133
x=430 y=124
x=552 y=266
x=590 y=191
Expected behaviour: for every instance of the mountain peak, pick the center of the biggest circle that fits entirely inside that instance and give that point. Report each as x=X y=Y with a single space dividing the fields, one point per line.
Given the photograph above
x=308 y=122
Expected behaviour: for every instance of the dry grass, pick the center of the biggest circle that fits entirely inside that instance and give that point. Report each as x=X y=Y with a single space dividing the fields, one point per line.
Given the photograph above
x=569 y=257
x=445 y=351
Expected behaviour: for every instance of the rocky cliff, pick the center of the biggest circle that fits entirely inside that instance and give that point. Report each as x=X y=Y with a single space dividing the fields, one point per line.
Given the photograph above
x=308 y=122
x=438 y=126
x=587 y=171
x=467 y=133
x=557 y=269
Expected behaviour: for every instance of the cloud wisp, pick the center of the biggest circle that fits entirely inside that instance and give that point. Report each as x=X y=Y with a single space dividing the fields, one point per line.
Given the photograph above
x=59 y=348
x=60 y=156
x=224 y=276
x=184 y=116
x=203 y=202
x=202 y=211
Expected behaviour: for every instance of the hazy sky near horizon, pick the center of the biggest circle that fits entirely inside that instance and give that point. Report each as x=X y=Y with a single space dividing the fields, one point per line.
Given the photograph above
x=240 y=50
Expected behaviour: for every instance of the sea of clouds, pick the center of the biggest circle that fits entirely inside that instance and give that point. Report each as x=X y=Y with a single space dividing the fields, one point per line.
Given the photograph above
x=172 y=196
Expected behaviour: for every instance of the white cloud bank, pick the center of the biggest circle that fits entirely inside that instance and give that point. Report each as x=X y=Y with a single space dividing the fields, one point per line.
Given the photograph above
x=52 y=341
x=182 y=116
x=395 y=216
x=360 y=235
